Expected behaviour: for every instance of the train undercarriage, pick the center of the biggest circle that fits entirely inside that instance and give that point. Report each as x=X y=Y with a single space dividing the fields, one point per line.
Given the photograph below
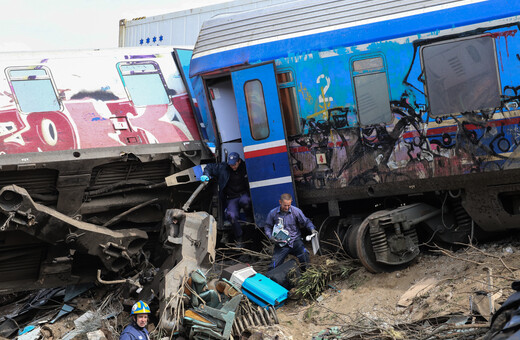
x=389 y=236
x=99 y=219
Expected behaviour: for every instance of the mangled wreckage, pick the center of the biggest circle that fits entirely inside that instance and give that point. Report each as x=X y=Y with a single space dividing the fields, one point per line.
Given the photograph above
x=99 y=151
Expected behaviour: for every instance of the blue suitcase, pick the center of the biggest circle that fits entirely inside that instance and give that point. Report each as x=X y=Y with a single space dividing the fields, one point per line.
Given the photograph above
x=263 y=291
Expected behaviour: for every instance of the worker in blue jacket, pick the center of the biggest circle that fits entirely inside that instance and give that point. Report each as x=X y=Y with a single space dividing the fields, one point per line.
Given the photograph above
x=233 y=189
x=136 y=330
x=289 y=240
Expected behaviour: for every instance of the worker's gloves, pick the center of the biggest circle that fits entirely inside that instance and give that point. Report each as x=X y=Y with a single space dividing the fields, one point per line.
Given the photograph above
x=204 y=178
x=313 y=234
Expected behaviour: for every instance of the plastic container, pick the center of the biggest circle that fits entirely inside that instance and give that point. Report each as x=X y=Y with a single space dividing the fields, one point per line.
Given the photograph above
x=239 y=276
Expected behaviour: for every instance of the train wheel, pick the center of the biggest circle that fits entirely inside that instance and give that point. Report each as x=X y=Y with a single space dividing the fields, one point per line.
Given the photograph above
x=350 y=243
x=328 y=235
x=338 y=233
x=364 y=249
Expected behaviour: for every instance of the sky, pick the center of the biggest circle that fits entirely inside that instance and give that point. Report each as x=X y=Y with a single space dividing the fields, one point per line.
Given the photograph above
x=42 y=25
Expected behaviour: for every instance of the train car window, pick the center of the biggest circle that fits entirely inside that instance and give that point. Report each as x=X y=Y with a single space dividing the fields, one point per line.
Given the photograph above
x=372 y=64
x=256 y=110
x=144 y=83
x=461 y=76
x=33 y=89
x=372 y=94
x=289 y=101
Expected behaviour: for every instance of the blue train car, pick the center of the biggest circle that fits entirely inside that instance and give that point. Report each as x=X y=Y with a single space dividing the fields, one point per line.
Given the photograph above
x=388 y=121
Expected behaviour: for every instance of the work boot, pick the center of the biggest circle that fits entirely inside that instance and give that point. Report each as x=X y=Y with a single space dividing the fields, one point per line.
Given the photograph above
x=225 y=238
x=239 y=243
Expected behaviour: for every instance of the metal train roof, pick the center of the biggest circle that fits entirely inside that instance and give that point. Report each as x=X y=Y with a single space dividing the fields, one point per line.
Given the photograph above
x=314 y=25
x=82 y=53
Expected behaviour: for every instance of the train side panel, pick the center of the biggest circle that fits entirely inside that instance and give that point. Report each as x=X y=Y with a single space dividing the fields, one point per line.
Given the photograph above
x=82 y=103
x=409 y=149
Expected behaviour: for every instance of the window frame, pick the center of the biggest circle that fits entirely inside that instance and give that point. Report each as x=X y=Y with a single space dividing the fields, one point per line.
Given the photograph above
x=424 y=75
x=384 y=70
x=157 y=70
x=249 y=116
x=47 y=76
x=296 y=120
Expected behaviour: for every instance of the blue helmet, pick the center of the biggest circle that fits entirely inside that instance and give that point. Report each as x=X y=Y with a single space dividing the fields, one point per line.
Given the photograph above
x=140 y=307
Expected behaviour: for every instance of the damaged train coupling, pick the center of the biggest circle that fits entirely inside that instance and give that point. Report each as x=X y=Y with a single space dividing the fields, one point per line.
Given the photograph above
x=191 y=238
x=19 y=213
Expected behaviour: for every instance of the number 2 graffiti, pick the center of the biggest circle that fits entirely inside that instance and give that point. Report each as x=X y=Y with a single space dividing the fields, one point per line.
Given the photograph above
x=322 y=98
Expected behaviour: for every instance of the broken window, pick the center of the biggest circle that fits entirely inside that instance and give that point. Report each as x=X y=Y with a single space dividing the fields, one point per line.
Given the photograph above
x=144 y=83
x=461 y=76
x=372 y=93
x=291 y=117
x=33 y=89
x=256 y=110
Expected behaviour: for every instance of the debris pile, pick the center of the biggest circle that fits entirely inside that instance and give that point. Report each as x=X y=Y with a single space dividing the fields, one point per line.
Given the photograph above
x=236 y=300
x=230 y=305
x=61 y=313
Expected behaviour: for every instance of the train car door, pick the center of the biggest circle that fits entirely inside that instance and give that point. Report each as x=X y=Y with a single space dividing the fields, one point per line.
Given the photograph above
x=263 y=138
x=182 y=60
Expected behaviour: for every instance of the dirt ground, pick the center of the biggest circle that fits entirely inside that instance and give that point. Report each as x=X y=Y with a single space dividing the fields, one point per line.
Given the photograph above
x=447 y=283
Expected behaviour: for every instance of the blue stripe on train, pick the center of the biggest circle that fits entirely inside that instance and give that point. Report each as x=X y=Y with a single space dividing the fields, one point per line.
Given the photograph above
x=269 y=166
x=379 y=31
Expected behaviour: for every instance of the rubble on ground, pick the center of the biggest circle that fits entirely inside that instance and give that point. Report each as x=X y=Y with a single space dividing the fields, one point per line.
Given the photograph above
x=446 y=294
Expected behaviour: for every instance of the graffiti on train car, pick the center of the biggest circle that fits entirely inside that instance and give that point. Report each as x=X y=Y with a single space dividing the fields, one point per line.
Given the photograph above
x=39 y=115
x=335 y=150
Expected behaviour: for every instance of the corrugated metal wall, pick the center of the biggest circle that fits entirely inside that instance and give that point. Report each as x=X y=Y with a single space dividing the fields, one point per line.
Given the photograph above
x=302 y=17
x=181 y=27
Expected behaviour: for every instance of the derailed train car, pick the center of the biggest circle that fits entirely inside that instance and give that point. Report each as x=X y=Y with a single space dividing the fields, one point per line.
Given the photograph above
x=392 y=121
x=87 y=139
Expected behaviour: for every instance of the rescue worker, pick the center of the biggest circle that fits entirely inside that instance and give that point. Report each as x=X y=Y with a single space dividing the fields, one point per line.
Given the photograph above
x=292 y=219
x=136 y=330
x=233 y=188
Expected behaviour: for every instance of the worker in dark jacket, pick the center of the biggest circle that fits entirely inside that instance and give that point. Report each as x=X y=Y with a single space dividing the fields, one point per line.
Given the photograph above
x=233 y=189
x=136 y=330
x=282 y=227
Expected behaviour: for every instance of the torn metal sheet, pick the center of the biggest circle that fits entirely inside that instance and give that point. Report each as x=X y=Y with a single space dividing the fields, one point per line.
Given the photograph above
x=74 y=290
x=32 y=334
x=86 y=320
x=482 y=305
x=34 y=300
x=65 y=309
